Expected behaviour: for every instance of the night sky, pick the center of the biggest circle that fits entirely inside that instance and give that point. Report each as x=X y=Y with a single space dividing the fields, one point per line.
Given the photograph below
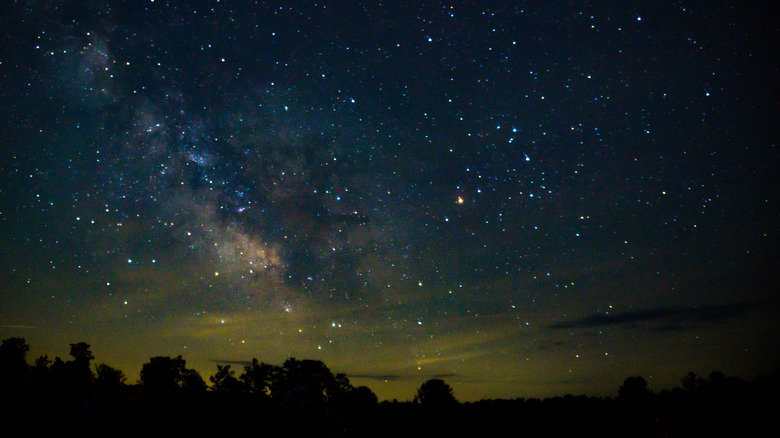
x=526 y=199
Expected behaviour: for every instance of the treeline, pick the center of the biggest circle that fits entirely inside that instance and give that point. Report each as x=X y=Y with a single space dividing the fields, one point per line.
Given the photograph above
x=296 y=382
x=304 y=398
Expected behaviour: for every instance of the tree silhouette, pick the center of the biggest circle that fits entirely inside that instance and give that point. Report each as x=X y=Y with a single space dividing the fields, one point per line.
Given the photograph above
x=80 y=365
x=14 y=351
x=81 y=352
x=192 y=382
x=108 y=377
x=258 y=377
x=691 y=381
x=305 y=396
x=41 y=374
x=633 y=388
x=58 y=374
x=339 y=388
x=362 y=397
x=435 y=393
x=109 y=383
x=43 y=362
x=224 y=381
x=13 y=365
x=301 y=383
x=165 y=376
x=78 y=372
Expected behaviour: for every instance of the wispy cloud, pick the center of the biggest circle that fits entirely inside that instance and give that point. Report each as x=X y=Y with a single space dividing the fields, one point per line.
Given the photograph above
x=666 y=318
x=243 y=363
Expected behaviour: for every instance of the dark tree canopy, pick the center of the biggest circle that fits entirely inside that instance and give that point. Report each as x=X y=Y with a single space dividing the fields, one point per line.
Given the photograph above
x=13 y=364
x=305 y=382
x=192 y=382
x=362 y=396
x=81 y=352
x=79 y=368
x=435 y=393
x=225 y=381
x=109 y=383
x=164 y=375
x=633 y=388
x=43 y=362
x=13 y=354
x=258 y=377
x=691 y=381
x=13 y=350
x=107 y=376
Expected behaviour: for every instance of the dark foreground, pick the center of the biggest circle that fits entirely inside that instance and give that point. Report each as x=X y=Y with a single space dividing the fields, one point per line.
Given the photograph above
x=747 y=410
x=304 y=398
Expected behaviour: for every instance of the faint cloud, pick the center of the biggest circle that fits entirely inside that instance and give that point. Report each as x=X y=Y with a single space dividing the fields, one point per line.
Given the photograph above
x=547 y=345
x=667 y=319
x=243 y=363
x=444 y=376
x=381 y=377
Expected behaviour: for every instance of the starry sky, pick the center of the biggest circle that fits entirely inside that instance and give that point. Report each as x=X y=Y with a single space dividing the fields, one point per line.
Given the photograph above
x=526 y=199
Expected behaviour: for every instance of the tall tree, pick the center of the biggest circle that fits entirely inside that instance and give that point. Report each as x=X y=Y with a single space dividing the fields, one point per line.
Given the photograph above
x=79 y=371
x=304 y=383
x=81 y=352
x=633 y=388
x=435 y=393
x=108 y=384
x=13 y=365
x=259 y=377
